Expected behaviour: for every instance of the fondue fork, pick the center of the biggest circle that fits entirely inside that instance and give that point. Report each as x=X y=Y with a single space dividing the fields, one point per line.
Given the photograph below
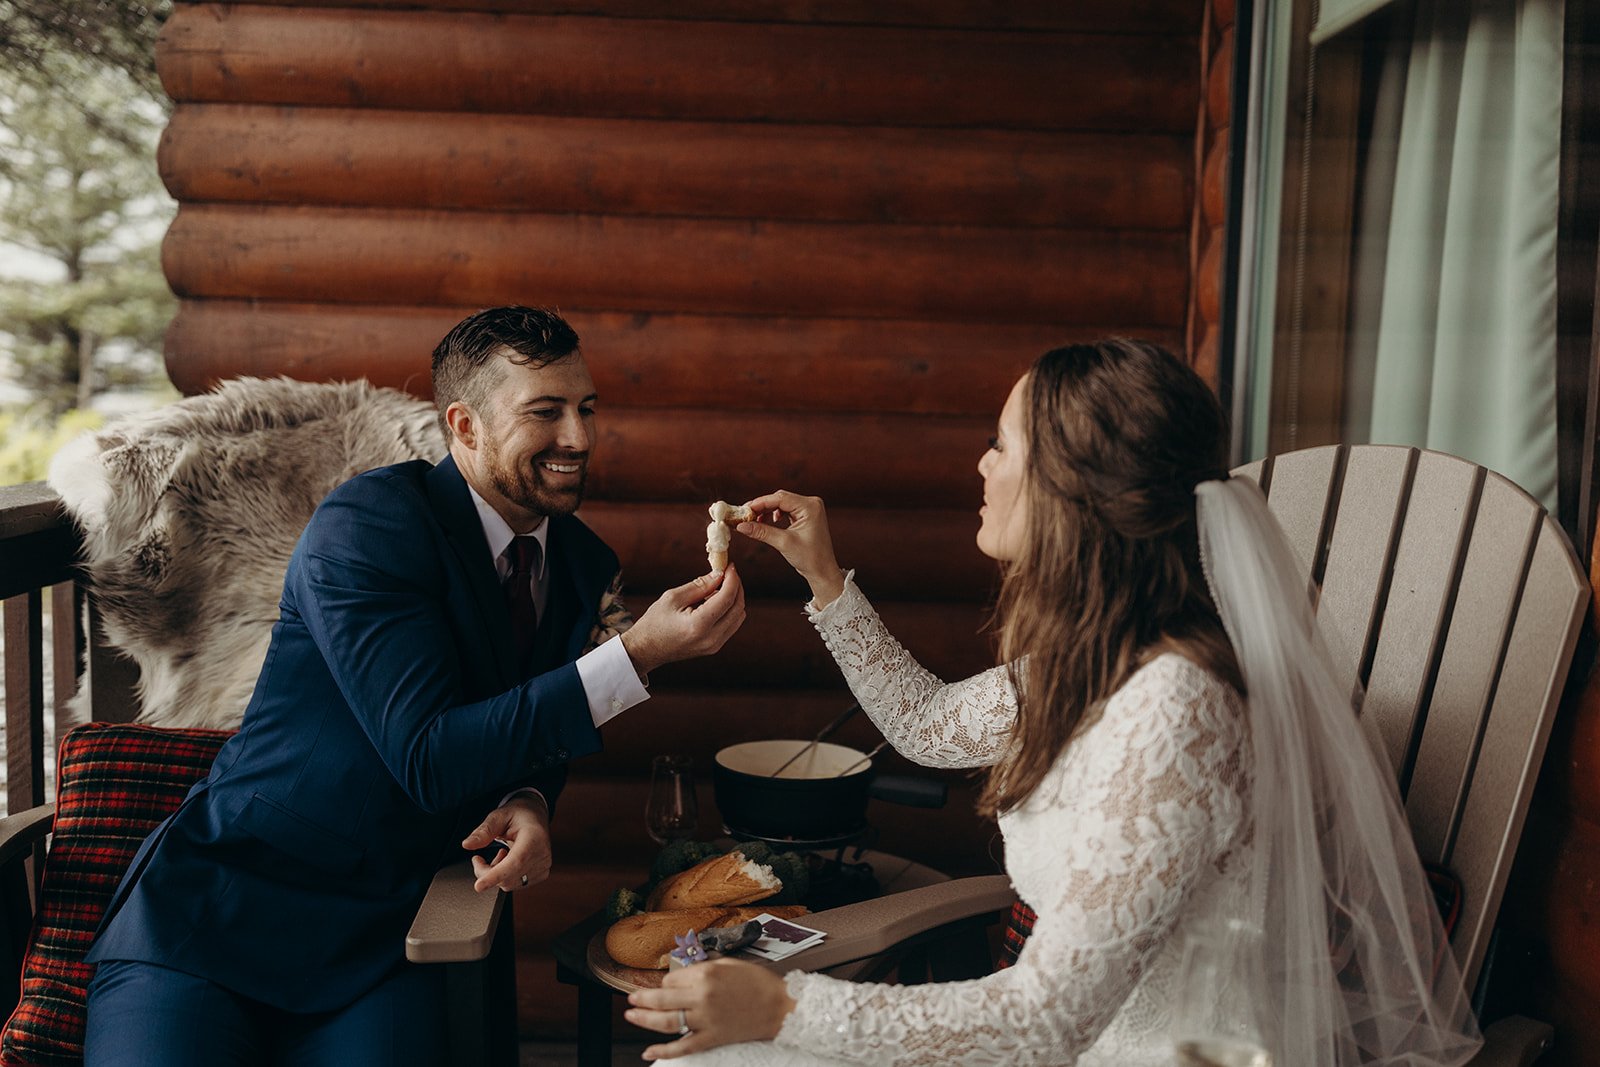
x=825 y=732
x=864 y=759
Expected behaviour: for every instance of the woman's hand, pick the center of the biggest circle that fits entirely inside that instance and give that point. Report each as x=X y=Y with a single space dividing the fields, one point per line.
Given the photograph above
x=722 y=1002
x=797 y=526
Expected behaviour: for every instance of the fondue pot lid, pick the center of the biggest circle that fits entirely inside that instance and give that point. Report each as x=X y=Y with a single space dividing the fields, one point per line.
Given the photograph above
x=761 y=758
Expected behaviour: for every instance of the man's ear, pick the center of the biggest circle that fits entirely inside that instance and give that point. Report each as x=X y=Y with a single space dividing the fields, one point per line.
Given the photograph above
x=463 y=423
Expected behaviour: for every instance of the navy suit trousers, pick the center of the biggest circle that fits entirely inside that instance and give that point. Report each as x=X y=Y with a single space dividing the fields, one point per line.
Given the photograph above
x=144 y=1015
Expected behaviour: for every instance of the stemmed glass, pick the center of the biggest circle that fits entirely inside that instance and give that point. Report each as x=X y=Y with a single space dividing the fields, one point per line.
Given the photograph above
x=671 y=813
x=1214 y=1020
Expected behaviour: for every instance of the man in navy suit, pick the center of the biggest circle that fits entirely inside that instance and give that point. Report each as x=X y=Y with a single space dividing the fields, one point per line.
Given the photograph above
x=426 y=684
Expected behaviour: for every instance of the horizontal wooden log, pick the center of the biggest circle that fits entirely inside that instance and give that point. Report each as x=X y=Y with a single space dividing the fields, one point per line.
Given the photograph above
x=738 y=170
x=921 y=555
x=463 y=61
x=645 y=360
x=682 y=265
x=1565 y=895
x=891 y=461
x=1084 y=16
x=1219 y=80
x=777 y=647
x=1574 y=778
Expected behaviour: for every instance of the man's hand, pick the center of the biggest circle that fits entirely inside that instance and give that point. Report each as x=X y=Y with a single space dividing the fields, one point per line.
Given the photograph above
x=692 y=620
x=522 y=824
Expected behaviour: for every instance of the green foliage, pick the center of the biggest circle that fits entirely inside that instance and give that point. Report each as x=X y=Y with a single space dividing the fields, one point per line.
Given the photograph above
x=117 y=35
x=79 y=186
x=29 y=440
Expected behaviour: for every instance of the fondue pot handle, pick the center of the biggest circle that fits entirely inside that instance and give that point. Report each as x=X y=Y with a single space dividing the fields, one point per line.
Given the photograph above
x=910 y=791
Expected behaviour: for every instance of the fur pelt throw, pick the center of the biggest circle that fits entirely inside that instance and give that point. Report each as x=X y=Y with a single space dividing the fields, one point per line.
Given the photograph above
x=189 y=515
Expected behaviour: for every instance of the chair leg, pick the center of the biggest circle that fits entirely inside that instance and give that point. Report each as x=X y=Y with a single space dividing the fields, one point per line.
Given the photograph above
x=502 y=994
x=594 y=1025
x=481 y=1001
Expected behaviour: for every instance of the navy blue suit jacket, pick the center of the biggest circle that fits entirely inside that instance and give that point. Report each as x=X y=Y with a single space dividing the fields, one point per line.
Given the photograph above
x=388 y=719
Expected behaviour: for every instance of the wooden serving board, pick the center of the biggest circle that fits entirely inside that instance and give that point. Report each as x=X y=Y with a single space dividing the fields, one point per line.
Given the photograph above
x=895 y=874
x=619 y=977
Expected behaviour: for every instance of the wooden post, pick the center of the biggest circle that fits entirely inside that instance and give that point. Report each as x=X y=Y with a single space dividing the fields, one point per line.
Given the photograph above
x=24 y=701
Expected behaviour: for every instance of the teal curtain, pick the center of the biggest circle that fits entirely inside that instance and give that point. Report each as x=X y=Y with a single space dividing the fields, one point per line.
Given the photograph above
x=1453 y=328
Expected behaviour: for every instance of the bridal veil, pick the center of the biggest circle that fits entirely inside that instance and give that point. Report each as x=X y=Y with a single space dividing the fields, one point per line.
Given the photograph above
x=1353 y=967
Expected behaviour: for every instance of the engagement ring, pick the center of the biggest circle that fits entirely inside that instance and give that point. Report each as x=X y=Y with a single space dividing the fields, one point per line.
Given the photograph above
x=683 y=1022
x=524 y=881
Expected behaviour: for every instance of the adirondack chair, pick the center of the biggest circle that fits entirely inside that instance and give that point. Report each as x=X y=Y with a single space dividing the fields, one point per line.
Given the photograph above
x=1452 y=597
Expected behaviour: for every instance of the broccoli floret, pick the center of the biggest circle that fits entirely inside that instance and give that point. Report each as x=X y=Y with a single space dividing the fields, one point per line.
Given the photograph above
x=792 y=870
x=756 y=852
x=678 y=856
x=623 y=903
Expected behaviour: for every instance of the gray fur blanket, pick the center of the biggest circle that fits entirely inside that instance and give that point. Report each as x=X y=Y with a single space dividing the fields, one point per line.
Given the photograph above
x=189 y=514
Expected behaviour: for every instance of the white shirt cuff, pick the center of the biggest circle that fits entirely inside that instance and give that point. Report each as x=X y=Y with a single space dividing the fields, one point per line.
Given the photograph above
x=610 y=682
x=525 y=791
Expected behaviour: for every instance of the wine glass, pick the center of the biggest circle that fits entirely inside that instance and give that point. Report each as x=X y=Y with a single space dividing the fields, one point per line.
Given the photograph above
x=1214 y=1021
x=671 y=813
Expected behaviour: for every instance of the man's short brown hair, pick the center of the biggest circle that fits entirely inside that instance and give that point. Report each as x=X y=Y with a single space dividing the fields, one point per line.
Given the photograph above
x=462 y=362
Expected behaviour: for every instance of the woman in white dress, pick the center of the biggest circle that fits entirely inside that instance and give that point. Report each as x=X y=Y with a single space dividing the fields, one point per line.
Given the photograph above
x=1146 y=805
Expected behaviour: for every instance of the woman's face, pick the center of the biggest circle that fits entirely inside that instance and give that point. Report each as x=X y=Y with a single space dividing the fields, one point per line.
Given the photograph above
x=1005 y=505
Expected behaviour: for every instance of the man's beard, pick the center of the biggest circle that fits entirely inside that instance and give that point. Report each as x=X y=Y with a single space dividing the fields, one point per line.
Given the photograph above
x=524 y=485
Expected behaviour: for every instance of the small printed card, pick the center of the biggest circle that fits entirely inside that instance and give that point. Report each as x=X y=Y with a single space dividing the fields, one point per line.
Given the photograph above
x=781 y=938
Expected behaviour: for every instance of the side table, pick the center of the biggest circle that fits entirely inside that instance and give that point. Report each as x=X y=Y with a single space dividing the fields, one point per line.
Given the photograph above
x=599 y=979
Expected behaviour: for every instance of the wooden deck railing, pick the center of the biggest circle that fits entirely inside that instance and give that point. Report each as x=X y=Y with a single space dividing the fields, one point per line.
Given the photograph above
x=38 y=558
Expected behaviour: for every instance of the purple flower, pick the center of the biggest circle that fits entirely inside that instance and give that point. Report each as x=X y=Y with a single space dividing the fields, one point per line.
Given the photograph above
x=689 y=949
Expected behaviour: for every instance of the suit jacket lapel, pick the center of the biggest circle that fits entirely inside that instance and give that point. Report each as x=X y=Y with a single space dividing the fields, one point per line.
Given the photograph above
x=565 y=551
x=453 y=507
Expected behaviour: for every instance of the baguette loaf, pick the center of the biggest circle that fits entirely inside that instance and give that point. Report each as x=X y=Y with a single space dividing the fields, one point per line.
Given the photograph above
x=719 y=881
x=645 y=940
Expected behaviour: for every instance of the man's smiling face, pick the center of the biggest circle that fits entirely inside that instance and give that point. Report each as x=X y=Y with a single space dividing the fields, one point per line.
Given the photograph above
x=531 y=445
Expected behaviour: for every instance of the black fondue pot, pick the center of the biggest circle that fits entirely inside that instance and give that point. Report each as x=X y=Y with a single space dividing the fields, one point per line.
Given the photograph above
x=820 y=796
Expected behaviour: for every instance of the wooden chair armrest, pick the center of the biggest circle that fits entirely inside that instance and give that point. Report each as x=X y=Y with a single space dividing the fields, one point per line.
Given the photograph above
x=455 y=923
x=20 y=832
x=1514 y=1041
x=857 y=931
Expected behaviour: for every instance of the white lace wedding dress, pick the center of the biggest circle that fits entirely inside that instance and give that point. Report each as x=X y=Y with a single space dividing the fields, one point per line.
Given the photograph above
x=1138 y=833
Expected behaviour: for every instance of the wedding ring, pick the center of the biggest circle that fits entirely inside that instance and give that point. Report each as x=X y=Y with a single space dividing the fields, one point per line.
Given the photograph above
x=683 y=1022
x=524 y=881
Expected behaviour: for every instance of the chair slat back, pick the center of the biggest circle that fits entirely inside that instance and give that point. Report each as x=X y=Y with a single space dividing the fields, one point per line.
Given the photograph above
x=1455 y=601
x=1372 y=500
x=1301 y=490
x=1538 y=654
x=1427 y=562
x=1492 y=574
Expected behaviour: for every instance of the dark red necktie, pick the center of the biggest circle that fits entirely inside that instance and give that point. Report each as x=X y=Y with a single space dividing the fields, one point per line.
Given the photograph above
x=524 y=557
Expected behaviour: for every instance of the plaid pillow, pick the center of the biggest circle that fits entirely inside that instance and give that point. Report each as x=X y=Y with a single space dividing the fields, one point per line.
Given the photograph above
x=1018 y=927
x=116 y=783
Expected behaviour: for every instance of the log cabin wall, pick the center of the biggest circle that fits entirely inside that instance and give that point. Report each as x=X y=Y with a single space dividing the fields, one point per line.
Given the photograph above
x=1210 y=207
x=807 y=244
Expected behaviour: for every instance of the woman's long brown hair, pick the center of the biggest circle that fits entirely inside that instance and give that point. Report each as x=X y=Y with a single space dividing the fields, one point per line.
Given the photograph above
x=1119 y=433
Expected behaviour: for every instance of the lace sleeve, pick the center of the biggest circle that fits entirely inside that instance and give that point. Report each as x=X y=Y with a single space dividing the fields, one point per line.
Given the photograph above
x=1126 y=828
x=962 y=724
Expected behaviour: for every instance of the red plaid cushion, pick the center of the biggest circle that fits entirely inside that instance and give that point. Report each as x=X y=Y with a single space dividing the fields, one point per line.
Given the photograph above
x=115 y=784
x=1018 y=927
